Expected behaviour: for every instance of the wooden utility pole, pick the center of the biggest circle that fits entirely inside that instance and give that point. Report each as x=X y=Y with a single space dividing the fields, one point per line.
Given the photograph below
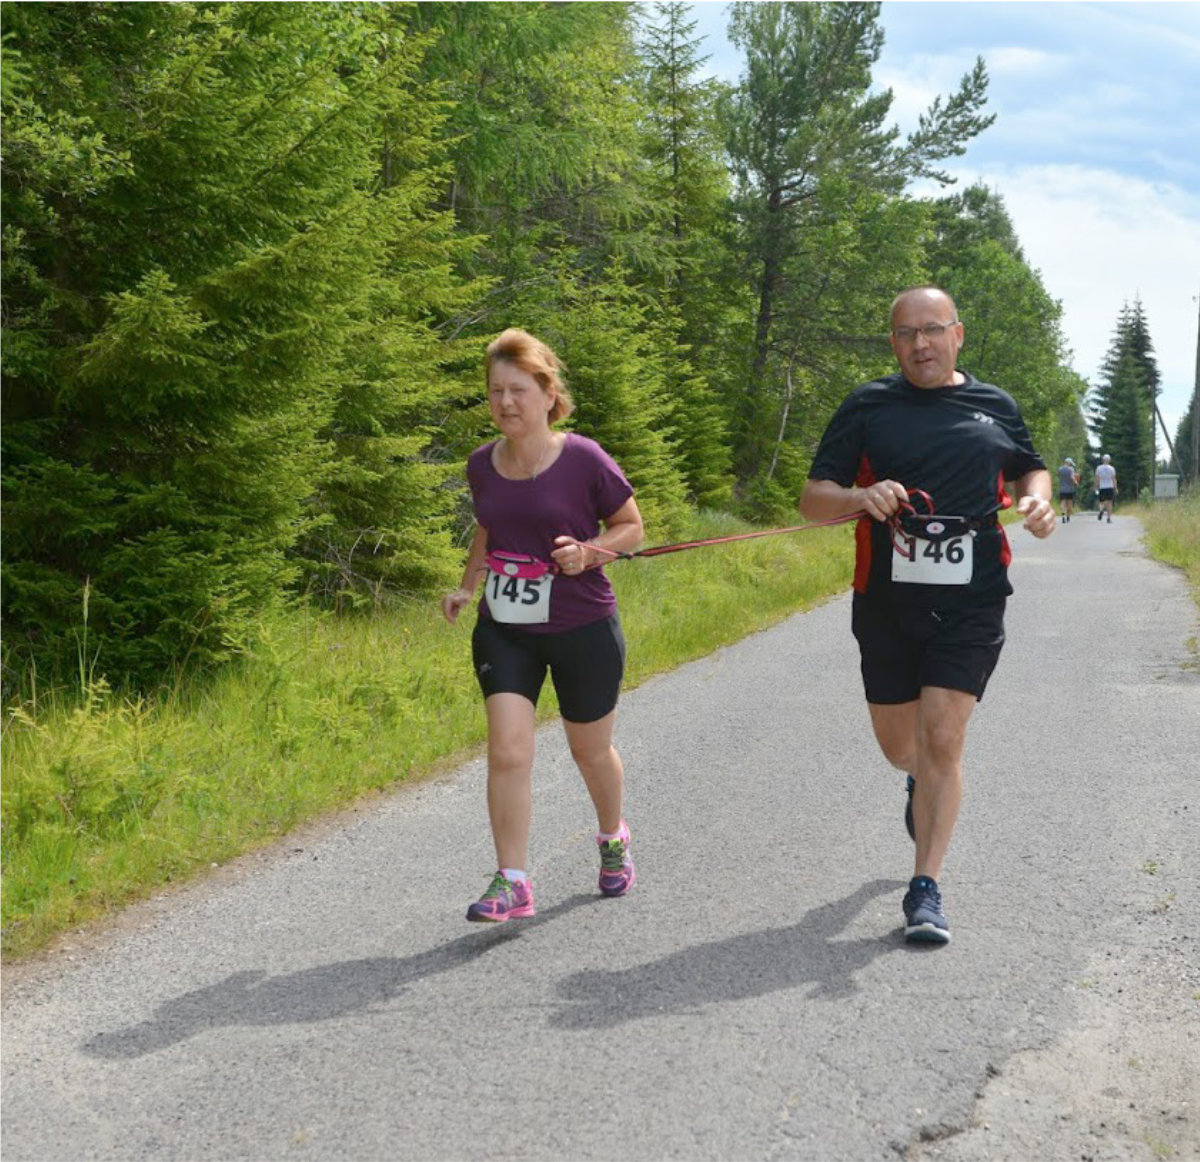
x=1196 y=407
x=1153 y=440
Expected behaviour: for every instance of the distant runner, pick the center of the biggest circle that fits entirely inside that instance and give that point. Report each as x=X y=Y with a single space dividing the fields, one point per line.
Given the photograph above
x=1068 y=482
x=1106 y=487
x=929 y=620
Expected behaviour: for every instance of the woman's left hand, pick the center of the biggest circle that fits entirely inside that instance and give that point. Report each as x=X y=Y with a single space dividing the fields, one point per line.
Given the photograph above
x=571 y=557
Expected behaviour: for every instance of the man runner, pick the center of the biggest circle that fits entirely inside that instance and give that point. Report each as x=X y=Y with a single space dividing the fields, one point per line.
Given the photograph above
x=929 y=618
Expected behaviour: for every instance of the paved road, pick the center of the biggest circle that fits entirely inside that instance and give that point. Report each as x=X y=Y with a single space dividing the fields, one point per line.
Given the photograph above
x=753 y=998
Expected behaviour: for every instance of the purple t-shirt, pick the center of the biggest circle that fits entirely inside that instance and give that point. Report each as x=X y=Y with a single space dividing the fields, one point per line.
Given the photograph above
x=580 y=489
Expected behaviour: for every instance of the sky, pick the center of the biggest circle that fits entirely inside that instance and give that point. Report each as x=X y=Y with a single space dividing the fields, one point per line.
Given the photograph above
x=1095 y=151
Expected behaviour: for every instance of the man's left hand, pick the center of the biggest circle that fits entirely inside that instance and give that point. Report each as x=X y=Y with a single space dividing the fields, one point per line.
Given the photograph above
x=1040 y=518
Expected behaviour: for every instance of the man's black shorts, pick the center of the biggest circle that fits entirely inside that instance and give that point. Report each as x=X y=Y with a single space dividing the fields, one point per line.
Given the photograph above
x=1106 y=494
x=586 y=665
x=1066 y=495
x=904 y=648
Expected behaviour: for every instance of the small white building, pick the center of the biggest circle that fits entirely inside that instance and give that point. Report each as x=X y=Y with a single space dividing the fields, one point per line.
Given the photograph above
x=1166 y=486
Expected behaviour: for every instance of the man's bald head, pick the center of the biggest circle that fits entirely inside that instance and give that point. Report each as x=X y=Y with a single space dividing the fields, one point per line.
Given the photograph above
x=932 y=296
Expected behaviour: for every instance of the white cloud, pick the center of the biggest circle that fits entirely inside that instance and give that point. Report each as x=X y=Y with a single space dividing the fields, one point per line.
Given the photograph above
x=917 y=81
x=917 y=78
x=1172 y=28
x=1100 y=239
x=1023 y=62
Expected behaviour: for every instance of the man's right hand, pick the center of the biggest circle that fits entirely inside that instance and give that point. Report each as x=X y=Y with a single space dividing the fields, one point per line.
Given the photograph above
x=882 y=499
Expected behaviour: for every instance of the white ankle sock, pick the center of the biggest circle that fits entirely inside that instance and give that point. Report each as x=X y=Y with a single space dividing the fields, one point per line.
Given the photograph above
x=513 y=875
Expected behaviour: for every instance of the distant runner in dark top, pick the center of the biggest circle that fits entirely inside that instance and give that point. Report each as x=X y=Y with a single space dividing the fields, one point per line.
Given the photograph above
x=541 y=499
x=929 y=618
x=1068 y=482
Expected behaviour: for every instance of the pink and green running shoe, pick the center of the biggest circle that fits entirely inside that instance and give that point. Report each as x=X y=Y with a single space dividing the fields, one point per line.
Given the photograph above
x=616 y=864
x=504 y=900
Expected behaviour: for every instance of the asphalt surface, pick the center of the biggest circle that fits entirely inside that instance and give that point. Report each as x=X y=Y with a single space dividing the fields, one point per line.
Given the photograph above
x=753 y=997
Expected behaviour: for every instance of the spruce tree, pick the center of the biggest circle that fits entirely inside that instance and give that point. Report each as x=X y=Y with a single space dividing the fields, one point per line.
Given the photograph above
x=190 y=235
x=542 y=132
x=1122 y=401
x=1126 y=431
x=615 y=369
x=384 y=511
x=1185 y=465
x=687 y=187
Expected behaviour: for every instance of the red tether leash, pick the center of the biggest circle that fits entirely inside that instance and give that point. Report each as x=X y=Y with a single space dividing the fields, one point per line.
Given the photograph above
x=659 y=550
x=894 y=522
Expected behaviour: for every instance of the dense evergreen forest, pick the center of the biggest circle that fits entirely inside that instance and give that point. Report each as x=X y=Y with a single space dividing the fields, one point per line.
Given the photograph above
x=252 y=254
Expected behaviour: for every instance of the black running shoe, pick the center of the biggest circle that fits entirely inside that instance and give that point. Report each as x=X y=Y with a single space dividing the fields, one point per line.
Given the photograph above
x=908 y=819
x=924 y=919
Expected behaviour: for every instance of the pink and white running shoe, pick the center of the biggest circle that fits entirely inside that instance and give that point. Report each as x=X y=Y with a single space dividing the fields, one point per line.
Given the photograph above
x=617 y=875
x=504 y=900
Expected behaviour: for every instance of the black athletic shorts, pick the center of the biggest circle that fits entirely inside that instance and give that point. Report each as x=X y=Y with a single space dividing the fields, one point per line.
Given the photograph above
x=1066 y=495
x=586 y=665
x=1106 y=494
x=904 y=648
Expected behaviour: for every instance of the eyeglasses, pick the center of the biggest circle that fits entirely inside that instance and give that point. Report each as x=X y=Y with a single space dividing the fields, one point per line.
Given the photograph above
x=930 y=331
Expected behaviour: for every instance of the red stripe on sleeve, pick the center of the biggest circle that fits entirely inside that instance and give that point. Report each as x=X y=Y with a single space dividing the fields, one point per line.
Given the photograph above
x=862 y=531
x=1005 y=501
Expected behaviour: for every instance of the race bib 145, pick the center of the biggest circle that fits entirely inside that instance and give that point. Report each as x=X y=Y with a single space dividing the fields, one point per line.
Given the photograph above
x=518 y=588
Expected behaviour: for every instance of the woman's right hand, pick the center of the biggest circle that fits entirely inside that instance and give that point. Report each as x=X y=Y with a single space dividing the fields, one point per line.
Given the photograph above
x=453 y=603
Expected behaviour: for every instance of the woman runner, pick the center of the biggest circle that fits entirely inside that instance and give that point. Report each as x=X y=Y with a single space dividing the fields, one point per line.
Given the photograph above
x=541 y=498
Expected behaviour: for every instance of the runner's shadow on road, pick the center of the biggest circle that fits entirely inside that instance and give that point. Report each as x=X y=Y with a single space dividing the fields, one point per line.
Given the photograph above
x=735 y=969
x=313 y=994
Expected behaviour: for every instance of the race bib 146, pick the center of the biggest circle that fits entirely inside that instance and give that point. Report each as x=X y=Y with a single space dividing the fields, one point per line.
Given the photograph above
x=933 y=560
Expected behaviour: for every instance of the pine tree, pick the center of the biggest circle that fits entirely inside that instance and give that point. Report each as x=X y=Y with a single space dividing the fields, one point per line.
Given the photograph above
x=812 y=154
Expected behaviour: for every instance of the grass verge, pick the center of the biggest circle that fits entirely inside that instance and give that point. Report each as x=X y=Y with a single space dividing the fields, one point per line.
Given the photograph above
x=1173 y=535
x=106 y=799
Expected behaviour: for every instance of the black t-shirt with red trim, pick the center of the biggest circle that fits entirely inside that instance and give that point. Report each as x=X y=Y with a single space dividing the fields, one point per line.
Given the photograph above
x=959 y=444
